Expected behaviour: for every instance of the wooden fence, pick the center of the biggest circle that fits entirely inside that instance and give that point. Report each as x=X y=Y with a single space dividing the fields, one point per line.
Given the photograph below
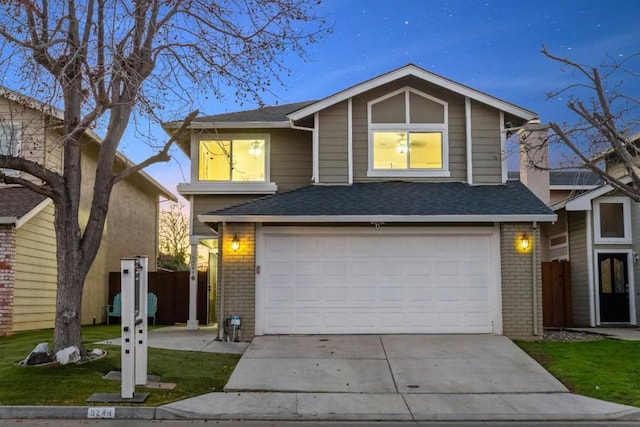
x=172 y=289
x=556 y=294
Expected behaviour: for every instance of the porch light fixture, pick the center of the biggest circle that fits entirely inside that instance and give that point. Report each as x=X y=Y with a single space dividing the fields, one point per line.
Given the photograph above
x=235 y=243
x=524 y=243
x=255 y=149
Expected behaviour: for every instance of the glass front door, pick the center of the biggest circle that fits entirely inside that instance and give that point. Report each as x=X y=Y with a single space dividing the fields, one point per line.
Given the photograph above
x=613 y=277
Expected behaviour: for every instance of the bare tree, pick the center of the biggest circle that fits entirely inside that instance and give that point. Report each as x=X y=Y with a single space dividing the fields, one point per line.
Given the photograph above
x=174 y=236
x=108 y=63
x=603 y=137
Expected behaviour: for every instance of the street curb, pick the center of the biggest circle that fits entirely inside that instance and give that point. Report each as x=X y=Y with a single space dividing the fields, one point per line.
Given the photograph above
x=73 y=412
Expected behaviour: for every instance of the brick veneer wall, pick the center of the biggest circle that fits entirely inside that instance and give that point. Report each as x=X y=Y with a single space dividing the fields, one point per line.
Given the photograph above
x=517 y=278
x=7 y=277
x=238 y=277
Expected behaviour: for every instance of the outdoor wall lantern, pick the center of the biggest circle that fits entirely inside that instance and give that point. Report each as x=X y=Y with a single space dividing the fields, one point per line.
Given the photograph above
x=524 y=243
x=235 y=243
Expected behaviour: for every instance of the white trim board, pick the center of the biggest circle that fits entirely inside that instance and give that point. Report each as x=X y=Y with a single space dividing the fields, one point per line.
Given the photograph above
x=412 y=70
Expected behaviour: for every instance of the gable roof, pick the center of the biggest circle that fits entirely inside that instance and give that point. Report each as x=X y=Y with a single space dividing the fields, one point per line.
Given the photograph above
x=392 y=202
x=413 y=70
x=58 y=114
x=17 y=203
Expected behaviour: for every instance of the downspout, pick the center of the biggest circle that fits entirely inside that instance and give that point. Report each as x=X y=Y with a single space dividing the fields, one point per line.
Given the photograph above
x=221 y=281
x=534 y=284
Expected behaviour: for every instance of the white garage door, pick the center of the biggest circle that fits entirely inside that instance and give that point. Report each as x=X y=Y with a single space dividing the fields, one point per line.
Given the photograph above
x=377 y=281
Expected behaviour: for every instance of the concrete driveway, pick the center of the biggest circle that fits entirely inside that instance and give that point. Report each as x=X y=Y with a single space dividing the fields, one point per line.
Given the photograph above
x=406 y=364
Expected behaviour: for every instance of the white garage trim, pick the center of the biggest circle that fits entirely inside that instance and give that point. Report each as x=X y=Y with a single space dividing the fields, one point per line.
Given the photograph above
x=494 y=296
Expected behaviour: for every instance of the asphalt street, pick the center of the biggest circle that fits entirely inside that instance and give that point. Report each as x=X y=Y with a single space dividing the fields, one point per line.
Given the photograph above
x=240 y=423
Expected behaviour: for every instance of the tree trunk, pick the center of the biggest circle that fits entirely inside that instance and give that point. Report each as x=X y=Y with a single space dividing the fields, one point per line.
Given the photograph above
x=70 y=279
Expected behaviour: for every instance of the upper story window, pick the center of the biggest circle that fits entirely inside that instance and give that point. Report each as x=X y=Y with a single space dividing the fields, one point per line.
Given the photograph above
x=10 y=140
x=232 y=160
x=612 y=220
x=408 y=135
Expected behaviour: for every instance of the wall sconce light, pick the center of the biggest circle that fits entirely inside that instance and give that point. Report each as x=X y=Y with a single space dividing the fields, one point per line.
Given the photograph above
x=235 y=243
x=524 y=243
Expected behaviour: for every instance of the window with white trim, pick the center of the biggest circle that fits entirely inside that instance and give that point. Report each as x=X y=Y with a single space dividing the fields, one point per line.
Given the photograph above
x=612 y=220
x=408 y=135
x=232 y=159
x=10 y=140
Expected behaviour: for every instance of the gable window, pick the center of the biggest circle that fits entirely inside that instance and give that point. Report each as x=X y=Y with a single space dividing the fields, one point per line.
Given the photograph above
x=10 y=139
x=612 y=220
x=408 y=135
x=232 y=160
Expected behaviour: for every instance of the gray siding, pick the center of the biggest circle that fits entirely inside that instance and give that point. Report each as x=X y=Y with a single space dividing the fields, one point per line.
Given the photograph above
x=486 y=154
x=333 y=145
x=457 y=150
x=579 y=269
x=290 y=160
x=635 y=234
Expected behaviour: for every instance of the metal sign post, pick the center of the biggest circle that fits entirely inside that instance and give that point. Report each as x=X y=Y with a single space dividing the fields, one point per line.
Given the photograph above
x=134 y=288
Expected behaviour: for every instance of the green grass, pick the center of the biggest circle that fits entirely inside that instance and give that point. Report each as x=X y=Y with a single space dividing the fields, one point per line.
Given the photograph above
x=606 y=369
x=193 y=372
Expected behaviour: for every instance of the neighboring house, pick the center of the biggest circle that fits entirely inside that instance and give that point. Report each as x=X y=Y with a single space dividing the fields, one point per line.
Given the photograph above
x=383 y=208
x=27 y=236
x=603 y=240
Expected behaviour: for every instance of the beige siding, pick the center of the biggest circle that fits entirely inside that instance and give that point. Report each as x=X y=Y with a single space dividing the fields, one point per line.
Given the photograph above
x=579 y=269
x=32 y=142
x=457 y=147
x=486 y=150
x=209 y=203
x=36 y=273
x=333 y=145
x=555 y=229
x=130 y=230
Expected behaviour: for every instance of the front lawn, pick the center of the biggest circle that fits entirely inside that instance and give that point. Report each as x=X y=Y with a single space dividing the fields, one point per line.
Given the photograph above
x=605 y=369
x=194 y=372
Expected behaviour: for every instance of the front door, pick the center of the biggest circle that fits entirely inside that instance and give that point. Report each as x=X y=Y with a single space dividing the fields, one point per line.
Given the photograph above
x=613 y=287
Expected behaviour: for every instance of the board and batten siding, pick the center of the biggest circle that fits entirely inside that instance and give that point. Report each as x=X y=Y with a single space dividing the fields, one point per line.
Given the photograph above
x=34 y=302
x=486 y=149
x=360 y=130
x=579 y=267
x=333 y=144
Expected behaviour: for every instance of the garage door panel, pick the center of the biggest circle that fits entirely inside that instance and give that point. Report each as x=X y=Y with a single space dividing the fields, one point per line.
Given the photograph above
x=377 y=283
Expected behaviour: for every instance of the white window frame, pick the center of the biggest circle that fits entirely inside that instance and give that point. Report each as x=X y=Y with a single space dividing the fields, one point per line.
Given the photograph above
x=198 y=186
x=16 y=130
x=626 y=214
x=407 y=126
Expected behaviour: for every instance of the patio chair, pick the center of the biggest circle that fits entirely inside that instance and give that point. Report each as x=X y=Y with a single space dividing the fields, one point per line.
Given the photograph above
x=115 y=309
x=152 y=305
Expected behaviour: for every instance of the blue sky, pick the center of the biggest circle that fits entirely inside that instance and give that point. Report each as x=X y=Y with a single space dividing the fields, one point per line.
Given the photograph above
x=492 y=46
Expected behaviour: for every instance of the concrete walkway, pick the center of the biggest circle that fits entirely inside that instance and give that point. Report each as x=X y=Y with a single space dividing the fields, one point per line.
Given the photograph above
x=624 y=334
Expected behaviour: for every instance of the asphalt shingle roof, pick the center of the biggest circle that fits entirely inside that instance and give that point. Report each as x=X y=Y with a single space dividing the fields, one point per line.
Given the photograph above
x=18 y=201
x=266 y=114
x=396 y=198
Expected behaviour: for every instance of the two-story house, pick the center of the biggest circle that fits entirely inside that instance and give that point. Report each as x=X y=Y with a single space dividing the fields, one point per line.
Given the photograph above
x=28 y=271
x=383 y=208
